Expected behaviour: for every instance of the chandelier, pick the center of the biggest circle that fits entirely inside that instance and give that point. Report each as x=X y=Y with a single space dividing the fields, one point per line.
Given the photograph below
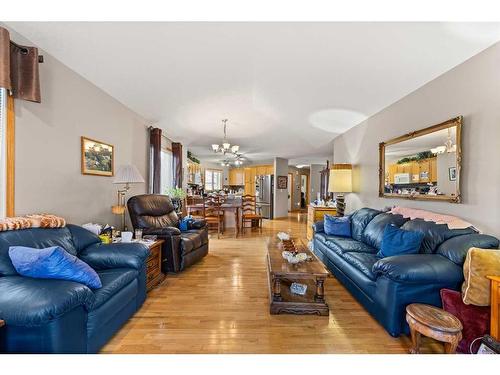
x=447 y=147
x=226 y=147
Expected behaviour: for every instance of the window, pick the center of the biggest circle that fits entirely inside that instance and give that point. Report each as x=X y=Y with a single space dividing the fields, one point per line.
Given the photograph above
x=167 y=170
x=213 y=179
x=3 y=153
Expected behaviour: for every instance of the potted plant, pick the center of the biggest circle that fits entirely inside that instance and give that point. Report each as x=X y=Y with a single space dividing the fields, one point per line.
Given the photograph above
x=177 y=196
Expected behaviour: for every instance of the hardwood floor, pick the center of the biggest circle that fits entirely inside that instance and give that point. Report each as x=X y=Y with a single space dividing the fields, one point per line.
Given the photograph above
x=220 y=305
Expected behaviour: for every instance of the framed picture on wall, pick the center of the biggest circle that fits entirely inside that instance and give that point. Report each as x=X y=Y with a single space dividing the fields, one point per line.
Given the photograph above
x=452 y=173
x=282 y=182
x=97 y=158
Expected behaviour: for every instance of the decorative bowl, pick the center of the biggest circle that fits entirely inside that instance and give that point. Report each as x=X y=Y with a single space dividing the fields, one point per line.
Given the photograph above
x=283 y=236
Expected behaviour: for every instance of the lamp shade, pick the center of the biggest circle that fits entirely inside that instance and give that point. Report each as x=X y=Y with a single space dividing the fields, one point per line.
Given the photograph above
x=128 y=174
x=340 y=180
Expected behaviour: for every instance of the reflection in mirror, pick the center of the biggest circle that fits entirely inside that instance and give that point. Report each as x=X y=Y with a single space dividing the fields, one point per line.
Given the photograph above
x=424 y=164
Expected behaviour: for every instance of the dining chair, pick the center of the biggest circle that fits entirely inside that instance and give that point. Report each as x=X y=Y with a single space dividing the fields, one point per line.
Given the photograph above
x=249 y=212
x=214 y=215
x=195 y=207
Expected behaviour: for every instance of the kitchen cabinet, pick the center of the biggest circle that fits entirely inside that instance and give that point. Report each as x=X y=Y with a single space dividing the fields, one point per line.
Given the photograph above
x=237 y=176
x=421 y=171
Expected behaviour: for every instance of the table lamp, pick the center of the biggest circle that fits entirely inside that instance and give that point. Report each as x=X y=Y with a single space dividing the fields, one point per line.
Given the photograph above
x=127 y=174
x=340 y=182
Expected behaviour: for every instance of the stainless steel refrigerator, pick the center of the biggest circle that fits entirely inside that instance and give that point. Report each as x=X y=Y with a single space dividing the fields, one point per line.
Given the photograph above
x=264 y=186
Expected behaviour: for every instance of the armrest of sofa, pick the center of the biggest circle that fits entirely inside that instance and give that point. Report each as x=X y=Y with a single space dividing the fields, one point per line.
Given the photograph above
x=456 y=248
x=318 y=227
x=116 y=255
x=26 y=301
x=197 y=224
x=419 y=268
x=165 y=231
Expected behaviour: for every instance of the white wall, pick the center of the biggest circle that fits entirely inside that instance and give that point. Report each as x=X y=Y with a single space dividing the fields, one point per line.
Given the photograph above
x=315 y=181
x=280 y=195
x=48 y=177
x=472 y=89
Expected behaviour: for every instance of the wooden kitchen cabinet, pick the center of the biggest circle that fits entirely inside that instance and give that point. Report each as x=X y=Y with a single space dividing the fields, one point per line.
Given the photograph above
x=237 y=176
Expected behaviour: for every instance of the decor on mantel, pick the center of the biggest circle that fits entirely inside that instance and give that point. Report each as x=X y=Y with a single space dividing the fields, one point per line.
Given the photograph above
x=127 y=174
x=19 y=69
x=97 y=157
x=340 y=182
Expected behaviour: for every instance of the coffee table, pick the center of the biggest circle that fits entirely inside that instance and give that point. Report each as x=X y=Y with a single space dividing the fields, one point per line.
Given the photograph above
x=281 y=274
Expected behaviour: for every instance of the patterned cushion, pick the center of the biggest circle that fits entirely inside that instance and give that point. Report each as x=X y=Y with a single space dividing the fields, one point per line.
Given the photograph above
x=479 y=263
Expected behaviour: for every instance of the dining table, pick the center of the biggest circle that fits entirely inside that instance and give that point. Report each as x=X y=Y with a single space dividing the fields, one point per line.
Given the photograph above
x=230 y=205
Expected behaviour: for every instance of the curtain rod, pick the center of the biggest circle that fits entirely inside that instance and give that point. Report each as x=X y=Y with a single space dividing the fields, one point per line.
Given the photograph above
x=25 y=50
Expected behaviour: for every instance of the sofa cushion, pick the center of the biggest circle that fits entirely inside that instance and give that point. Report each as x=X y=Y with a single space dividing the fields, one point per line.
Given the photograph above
x=363 y=262
x=434 y=234
x=419 y=268
x=52 y=263
x=193 y=239
x=456 y=248
x=113 y=280
x=348 y=245
x=33 y=302
x=374 y=231
x=35 y=237
x=359 y=221
x=337 y=226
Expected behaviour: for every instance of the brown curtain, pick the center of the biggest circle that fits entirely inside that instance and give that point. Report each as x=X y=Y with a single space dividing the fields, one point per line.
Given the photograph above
x=177 y=163
x=155 y=160
x=19 y=69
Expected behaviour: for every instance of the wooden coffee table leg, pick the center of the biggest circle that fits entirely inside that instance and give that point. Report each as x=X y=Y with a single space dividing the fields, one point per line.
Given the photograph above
x=415 y=339
x=277 y=289
x=320 y=290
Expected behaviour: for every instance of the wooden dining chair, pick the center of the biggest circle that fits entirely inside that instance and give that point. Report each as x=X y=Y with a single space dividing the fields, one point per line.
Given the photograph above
x=195 y=207
x=249 y=212
x=214 y=215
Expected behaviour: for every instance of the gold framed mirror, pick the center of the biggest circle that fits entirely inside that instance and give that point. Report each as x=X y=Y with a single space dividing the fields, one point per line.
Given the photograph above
x=423 y=165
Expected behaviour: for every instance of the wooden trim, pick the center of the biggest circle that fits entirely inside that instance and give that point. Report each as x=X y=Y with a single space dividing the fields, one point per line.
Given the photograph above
x=11 y=155
x=97 y=173
x=495 y=302
x=457 y=121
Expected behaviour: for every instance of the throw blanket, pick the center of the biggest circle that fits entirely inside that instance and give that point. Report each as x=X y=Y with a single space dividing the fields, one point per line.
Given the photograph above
x=453 y=222
x=31 y=221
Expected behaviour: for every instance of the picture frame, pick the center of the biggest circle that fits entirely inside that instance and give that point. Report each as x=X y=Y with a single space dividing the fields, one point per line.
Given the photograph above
x=282 y=182
x=452 y=173
x=97 y=158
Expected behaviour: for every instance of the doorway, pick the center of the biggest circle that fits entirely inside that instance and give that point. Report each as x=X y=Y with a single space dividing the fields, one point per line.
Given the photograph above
x=304 y=191
x=290 y=191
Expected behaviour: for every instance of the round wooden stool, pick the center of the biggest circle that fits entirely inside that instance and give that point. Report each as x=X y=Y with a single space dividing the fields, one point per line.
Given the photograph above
x=433 y=322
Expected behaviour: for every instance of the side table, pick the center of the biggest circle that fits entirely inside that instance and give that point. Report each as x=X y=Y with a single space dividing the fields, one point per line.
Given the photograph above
x=154 y=276
x=433 y=322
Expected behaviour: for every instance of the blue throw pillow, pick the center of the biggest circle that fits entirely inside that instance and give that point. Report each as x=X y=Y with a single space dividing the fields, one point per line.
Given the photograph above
x=52 y=263
x=396 y=241
x=337 y=226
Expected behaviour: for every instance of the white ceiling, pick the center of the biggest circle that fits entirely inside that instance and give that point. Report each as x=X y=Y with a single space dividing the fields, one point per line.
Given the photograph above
x=287 y=89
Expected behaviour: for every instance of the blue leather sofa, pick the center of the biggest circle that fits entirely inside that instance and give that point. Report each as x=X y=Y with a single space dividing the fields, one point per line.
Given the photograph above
x=386 y=286
x=58 y=316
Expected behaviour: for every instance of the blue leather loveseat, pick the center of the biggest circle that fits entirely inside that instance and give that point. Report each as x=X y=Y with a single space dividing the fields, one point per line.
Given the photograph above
x=58 y=316
x=386 y=286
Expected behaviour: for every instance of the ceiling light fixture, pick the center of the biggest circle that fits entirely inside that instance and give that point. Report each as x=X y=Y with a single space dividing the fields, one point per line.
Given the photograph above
x=226 y=146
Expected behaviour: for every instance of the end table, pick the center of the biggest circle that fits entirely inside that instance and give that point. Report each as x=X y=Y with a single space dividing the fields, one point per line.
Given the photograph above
x=154 y=276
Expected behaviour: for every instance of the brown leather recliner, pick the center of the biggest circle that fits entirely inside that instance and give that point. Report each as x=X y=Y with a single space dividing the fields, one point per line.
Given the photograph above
x=155 y=214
